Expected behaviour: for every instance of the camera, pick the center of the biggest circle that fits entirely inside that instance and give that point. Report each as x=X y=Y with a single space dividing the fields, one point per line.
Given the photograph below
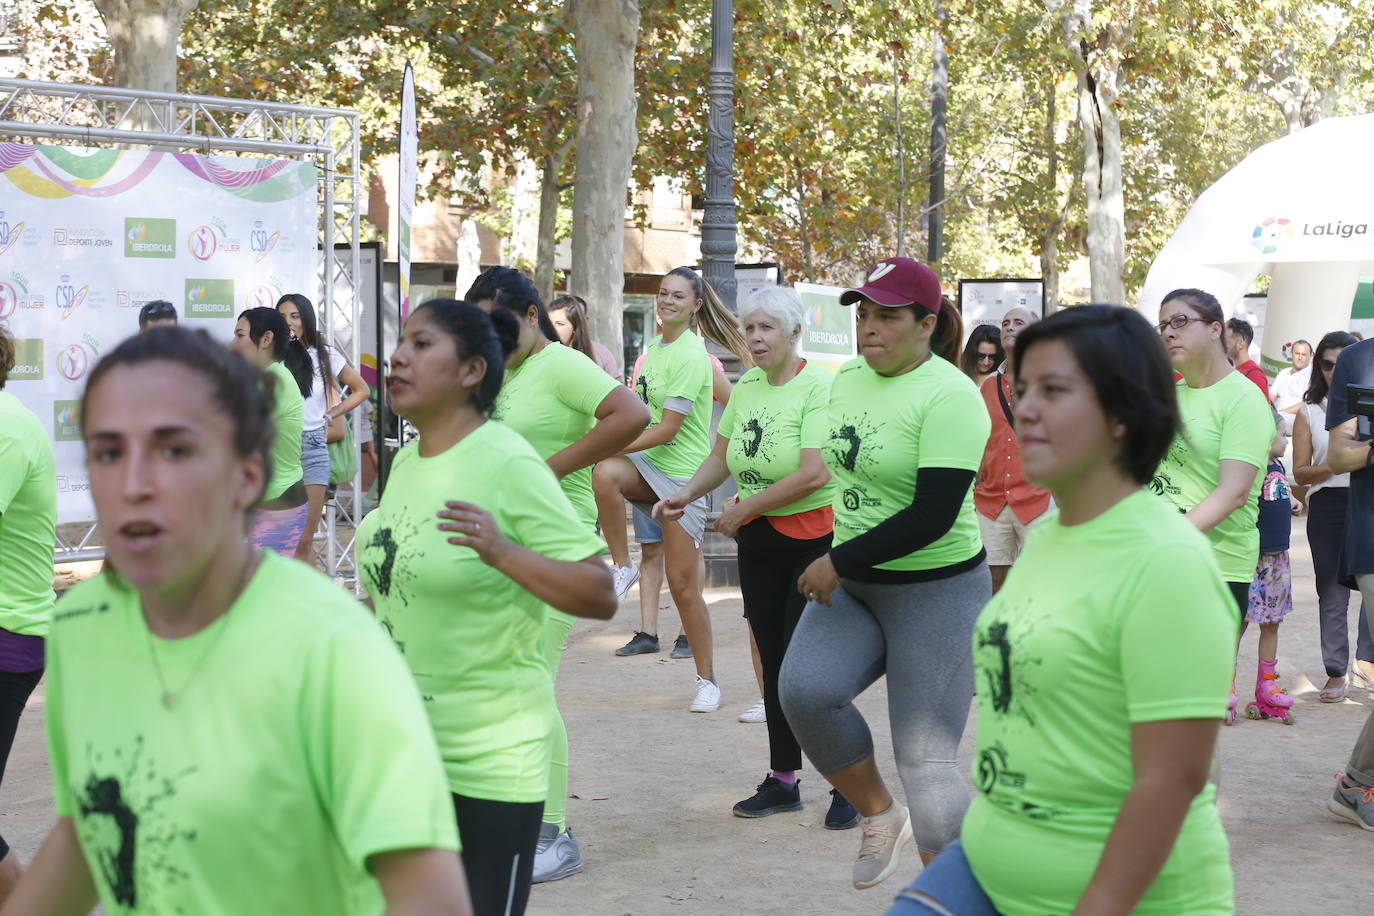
x=1359 y=400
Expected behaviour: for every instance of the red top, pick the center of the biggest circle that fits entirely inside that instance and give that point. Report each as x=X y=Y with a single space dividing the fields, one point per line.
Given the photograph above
x=1251 y=370
x=1001 y=480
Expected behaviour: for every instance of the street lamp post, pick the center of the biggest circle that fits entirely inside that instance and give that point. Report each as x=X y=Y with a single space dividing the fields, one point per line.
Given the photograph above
x=718 y=222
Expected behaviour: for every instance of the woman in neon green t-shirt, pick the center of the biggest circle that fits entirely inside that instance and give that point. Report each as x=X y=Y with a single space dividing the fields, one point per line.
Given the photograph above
x=472 y=543
x=1101 y=664
x=209 y=699
x=262 y=337
x=897 y=593
x=769 y=440
x=676 y=383
x=574 y=415
x=1212 y=471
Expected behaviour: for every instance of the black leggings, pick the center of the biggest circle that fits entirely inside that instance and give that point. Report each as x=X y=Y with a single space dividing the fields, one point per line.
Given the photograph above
x=15 y=688
x=770 y=563
x=498 y=852
x=1240 y=591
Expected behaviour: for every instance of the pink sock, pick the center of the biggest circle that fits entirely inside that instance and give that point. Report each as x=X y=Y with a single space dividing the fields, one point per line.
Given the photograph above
x=788 y=777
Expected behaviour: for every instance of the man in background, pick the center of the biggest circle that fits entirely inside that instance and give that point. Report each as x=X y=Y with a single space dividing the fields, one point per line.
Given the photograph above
x=1239 y=336
x=1291 y=384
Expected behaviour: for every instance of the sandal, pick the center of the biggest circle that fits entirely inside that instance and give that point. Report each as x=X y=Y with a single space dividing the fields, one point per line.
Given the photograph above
x=1333 y=694
x=1361 y=679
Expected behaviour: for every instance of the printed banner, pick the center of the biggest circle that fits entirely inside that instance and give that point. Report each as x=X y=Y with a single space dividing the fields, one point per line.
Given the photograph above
x=827 y=327
x=986 y=301
x=405 y=190
x=89 y=236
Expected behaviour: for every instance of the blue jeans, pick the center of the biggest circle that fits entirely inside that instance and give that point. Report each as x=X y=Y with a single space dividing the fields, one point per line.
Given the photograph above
x=947 y=887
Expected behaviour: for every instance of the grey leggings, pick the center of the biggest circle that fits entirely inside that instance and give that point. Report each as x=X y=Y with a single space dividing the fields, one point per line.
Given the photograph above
x=920 y=635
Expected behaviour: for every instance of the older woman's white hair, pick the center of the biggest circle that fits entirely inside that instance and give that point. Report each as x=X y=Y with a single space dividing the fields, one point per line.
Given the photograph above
x=780 y=303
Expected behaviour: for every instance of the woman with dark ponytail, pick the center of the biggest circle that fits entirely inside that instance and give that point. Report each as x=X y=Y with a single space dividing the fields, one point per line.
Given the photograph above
x=471 y=546
x=323 y=420
x=262 y=338
x=574 y=415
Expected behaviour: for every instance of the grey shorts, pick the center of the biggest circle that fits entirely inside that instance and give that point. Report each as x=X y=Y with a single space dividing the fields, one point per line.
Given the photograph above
x=693 y=520
x=314 y=458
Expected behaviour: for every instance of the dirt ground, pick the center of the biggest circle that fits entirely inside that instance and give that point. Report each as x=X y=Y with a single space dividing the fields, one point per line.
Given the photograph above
x=652 y=786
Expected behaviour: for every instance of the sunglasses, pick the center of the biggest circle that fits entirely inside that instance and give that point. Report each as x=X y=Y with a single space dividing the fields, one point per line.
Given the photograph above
x=1328 y=365
x=160 y=310
x=988 y=356
x=1178 y=322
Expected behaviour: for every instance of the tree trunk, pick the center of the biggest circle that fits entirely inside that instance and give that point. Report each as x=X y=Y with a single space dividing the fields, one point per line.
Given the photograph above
x=143 y=35
x=550 y=170
x=607 y=32
x=1102 y=184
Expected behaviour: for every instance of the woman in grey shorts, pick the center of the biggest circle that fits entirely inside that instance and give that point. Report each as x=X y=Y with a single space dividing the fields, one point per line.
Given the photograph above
x=900 y=589
x=676 y=383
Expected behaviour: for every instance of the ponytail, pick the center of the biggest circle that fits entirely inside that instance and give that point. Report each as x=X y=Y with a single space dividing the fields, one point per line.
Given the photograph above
x=949 y=332
x=297 y=361
x=717 y=322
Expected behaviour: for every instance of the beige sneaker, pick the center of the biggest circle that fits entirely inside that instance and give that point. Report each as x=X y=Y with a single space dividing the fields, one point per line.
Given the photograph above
x=880 y=850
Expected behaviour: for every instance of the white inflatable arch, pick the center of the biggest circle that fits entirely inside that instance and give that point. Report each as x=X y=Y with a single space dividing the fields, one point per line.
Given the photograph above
x=1300 y=209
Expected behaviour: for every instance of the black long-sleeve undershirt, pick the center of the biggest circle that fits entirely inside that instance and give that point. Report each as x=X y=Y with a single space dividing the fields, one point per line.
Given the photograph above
x=934 y=508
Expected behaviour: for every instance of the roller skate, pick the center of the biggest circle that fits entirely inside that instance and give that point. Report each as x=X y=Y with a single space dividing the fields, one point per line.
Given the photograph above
x=1271 y=701
x=1231 y=703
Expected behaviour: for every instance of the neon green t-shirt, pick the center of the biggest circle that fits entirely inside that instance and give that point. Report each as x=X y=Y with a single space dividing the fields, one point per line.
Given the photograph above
x=551 y=399
x=295 y=749
x=1228 y=420
x=882 y=430
x=28 y=519
x=769 y=425
x=469 y=634
x=288 y=412
x=679 y=370
x=1119 y=620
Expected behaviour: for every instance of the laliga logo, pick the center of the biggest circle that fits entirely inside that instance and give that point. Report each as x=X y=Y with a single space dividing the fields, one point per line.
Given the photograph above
x=9 y=234
x=202 y=243
x=68 y=297
x=1269 y=234
x=73 y=362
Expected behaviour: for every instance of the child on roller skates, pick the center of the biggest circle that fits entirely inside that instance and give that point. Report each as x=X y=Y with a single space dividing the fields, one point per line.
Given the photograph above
x=1271 y=591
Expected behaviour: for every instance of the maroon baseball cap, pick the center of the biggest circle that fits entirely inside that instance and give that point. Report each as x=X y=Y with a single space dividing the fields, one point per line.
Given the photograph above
x=898 y=281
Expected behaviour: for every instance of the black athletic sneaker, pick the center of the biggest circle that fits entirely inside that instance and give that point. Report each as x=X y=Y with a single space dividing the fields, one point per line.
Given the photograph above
x=773 y=797
x=680 y=648
x=640 y=644
x=842 y=815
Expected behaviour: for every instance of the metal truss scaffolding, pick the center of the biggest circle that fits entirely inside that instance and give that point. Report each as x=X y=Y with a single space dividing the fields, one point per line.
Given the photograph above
x=102 y=115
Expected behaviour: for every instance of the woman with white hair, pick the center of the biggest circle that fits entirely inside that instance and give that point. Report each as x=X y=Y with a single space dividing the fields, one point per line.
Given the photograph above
x=769 y=439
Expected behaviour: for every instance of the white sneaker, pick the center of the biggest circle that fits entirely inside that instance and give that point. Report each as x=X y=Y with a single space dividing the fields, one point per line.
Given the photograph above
x=708 y=696
x=624 y=577
x=880 y=849
x=755 y=714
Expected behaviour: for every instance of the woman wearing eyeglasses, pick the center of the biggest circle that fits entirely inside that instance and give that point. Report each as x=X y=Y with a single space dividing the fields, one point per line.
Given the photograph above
x=1326 y=504
x=982 y=354
x=1211 y=473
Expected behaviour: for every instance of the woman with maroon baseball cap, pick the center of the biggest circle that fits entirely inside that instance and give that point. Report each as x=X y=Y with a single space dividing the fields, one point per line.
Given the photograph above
x=901 y=587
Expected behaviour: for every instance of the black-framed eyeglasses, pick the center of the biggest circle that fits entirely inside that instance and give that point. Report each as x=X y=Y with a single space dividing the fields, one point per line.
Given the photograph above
x=1178 y=322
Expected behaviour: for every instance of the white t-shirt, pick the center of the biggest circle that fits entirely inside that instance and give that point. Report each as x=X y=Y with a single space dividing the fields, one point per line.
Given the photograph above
x=1288 y=389
x=315 y=404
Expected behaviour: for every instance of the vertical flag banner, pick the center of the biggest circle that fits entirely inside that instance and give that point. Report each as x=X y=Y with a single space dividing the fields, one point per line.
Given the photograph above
x=828 y=327
x=405 y=190
x=89 y=236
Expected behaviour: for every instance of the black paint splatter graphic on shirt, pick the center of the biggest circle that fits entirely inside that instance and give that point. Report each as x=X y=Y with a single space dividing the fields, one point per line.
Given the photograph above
x=1002 y=663
x=392 y=574
x=642 y=387
x=125 y=821
x=853 y=444
x=753 y=437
